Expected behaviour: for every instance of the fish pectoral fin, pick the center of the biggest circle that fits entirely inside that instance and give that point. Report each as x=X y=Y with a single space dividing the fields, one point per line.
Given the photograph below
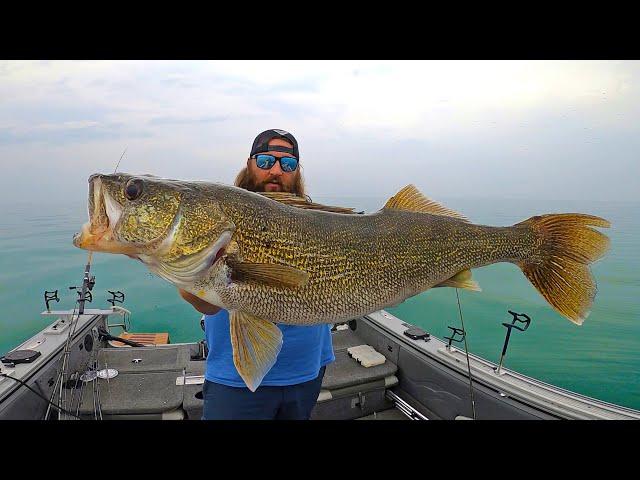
x=302 y=202
x=410 y=198
x=461 y=280
x=256 y=344
x=267 y=273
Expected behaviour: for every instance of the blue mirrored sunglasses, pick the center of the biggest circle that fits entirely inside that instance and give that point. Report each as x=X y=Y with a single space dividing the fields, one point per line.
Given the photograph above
x=265 y=162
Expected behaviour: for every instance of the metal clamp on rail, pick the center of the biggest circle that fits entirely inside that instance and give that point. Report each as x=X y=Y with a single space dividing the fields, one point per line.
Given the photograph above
x=48 y=296
x=456 y=331
x=509 y=327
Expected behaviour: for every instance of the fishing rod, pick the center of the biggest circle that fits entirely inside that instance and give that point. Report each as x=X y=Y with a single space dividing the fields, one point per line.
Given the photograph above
x=84 y=294
x=87 y=285
x=25 y=384
x=466 y=351
x=89 y=282
x=118 y=164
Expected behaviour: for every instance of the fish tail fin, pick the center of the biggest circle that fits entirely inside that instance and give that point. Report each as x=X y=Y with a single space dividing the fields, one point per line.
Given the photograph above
x=565 y=245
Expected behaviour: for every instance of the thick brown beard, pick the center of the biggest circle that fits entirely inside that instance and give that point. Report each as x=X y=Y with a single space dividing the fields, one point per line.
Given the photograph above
x=247 y=181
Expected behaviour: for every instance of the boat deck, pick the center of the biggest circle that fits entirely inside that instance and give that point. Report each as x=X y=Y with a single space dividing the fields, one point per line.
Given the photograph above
x=418 y=379
x=165 y=382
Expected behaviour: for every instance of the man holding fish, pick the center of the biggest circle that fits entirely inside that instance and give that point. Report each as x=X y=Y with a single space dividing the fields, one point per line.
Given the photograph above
x=291 y=388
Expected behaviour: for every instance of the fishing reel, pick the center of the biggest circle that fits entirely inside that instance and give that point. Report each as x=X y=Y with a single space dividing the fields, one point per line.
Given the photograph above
x=87 y=297
x=90 y=282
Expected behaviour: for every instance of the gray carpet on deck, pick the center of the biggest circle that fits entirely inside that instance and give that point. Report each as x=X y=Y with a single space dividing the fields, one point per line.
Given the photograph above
x=134 y=393
x=346 y=371
x=343 y=339
x=146 y=380
x=196 y=367
x=150 y=359
x=390 y=414
x=148 y=384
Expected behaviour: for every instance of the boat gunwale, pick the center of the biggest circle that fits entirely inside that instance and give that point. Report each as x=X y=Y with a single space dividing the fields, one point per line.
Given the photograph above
x=544 y=406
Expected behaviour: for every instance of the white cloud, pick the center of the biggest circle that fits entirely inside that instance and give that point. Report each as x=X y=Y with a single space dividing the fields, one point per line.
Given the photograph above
x=198 y=118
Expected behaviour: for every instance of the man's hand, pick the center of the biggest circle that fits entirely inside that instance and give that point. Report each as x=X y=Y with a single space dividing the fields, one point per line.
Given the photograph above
x=199 y=304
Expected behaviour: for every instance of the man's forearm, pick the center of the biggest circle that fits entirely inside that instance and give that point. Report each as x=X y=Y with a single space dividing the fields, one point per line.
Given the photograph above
x=199 y=304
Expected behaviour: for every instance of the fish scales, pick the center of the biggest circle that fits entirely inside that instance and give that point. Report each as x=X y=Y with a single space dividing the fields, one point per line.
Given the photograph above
x=355 y=262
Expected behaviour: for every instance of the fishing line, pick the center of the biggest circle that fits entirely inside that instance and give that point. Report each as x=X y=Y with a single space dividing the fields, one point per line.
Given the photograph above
x=41 y=396
x=93 y=385
x=62 y=398
x=53 y=394
x=87 y=367
x=75 y=387
x=81 y=397
x=65 y=356
x=88 y=267
x=466 y=351
x=98 y=399
x=118 y=164
x=72 y=330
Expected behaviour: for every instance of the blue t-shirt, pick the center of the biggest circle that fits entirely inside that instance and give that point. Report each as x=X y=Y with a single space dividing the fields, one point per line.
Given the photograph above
x=304 y=351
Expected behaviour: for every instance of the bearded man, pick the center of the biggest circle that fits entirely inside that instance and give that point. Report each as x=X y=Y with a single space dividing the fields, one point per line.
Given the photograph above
x=290 y=390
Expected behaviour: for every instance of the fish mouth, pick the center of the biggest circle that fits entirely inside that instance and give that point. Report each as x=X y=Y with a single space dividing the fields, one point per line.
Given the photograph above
x=97 y=235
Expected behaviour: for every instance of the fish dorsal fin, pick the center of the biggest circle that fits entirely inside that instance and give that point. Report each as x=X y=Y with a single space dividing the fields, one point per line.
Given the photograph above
x=410 y=198
x=256 y=344
x=303 y=202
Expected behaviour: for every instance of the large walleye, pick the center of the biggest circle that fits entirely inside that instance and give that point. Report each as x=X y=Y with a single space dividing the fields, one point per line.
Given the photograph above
x=267 y=261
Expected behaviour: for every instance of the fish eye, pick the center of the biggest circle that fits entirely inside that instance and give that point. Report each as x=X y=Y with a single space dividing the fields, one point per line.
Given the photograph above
x=133 y=189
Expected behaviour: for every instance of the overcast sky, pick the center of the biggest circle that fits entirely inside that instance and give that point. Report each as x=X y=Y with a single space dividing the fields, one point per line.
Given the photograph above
x=558 y=129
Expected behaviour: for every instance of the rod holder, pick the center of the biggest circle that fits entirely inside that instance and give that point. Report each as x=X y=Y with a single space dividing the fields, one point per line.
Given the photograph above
x=455 y=331
x=49 y=296
x=509 y=327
